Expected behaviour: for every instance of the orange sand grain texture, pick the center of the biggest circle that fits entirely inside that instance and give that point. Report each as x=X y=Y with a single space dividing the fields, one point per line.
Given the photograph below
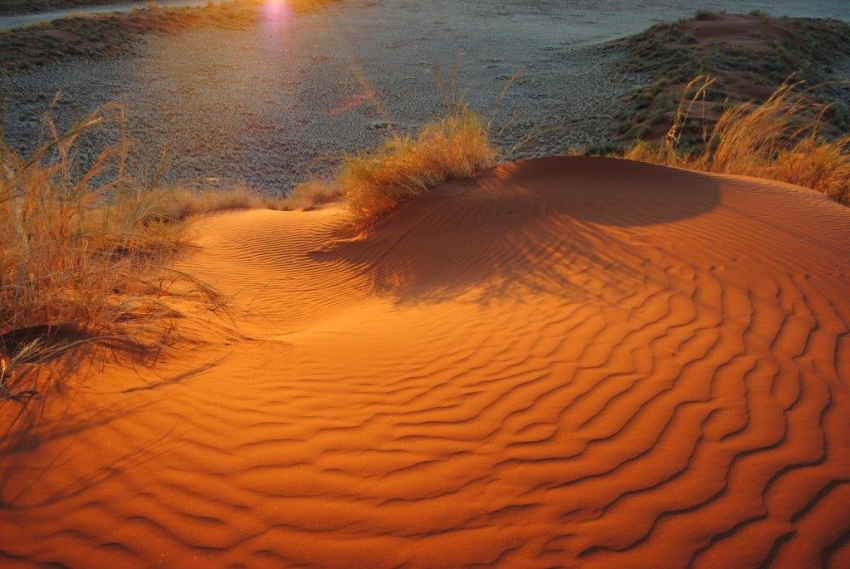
x=567 y=362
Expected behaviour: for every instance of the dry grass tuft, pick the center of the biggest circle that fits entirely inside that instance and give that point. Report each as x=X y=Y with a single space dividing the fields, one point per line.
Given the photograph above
x=178 y=204
x=778 y=140
x=312 y=194
x=84 y=250
x=457 y=145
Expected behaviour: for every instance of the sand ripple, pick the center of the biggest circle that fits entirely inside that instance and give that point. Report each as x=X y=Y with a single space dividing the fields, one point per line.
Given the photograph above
x=568 y=362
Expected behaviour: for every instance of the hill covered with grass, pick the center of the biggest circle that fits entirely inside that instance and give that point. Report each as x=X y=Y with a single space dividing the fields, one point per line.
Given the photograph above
x=749 y=56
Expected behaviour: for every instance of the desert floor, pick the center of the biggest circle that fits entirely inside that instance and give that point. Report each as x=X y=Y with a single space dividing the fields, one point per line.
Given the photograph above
x=278 y=103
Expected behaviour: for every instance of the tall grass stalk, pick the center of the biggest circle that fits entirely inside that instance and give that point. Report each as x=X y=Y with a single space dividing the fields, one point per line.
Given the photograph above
x=84 y=249
x=778 y=140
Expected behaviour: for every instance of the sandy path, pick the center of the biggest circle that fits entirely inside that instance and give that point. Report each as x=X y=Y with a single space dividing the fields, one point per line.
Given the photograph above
x=569 y=361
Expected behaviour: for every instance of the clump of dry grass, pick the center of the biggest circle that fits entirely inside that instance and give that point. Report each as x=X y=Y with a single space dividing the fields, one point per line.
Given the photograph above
x=457 y=145
x=311 y=194
x=778 y=140
x=178 y=204
x=84 y=250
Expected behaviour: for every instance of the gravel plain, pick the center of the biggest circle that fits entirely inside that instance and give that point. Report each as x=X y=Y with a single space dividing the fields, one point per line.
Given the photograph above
x=280 y=103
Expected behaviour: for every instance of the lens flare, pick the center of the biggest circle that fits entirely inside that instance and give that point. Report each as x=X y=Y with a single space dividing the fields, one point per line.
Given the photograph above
x=277 y=10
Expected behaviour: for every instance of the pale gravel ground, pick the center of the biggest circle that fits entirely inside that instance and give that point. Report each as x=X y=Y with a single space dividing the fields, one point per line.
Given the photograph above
x=263 y=106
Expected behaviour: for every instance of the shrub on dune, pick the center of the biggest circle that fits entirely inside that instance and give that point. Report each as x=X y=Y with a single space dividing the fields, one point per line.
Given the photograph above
x=456 y=145
x=177 y=204
x=311 y=194
x=83 y=246
x=779 y=140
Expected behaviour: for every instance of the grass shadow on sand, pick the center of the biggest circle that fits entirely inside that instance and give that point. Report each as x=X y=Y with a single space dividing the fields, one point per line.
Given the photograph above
x=529 y=227
x=26 y=428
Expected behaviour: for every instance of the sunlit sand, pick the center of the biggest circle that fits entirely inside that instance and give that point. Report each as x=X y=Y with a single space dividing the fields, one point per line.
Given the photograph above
x=570 y=361
x=562 y=361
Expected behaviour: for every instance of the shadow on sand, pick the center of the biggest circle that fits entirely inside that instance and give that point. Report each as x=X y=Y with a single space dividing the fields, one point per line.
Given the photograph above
x=529 y=227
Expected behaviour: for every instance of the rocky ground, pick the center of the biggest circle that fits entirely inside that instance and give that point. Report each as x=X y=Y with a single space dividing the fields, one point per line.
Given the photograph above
x=279 y=103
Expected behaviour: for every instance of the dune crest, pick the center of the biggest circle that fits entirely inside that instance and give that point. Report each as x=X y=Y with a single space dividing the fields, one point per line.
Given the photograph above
x=569 y=361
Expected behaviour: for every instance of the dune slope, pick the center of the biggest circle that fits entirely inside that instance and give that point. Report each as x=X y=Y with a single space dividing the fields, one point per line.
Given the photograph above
x=570 y=361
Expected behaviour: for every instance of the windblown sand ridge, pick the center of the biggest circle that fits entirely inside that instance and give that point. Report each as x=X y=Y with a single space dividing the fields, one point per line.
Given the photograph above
x=570 y=361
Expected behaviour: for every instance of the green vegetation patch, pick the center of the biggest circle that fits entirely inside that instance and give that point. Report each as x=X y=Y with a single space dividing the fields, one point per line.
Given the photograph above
x=749 y=55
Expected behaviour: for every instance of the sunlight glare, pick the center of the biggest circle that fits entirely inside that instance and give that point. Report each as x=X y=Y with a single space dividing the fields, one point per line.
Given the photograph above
x=277 y=10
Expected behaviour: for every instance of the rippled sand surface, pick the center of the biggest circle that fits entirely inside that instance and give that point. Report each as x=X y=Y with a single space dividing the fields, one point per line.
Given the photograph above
x=568 y=362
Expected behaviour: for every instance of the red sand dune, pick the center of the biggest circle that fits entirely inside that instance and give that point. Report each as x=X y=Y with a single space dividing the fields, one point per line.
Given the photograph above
x=569 y=362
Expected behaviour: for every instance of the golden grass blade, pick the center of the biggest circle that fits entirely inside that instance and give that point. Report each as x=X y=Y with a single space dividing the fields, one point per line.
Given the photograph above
x=779 y=139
